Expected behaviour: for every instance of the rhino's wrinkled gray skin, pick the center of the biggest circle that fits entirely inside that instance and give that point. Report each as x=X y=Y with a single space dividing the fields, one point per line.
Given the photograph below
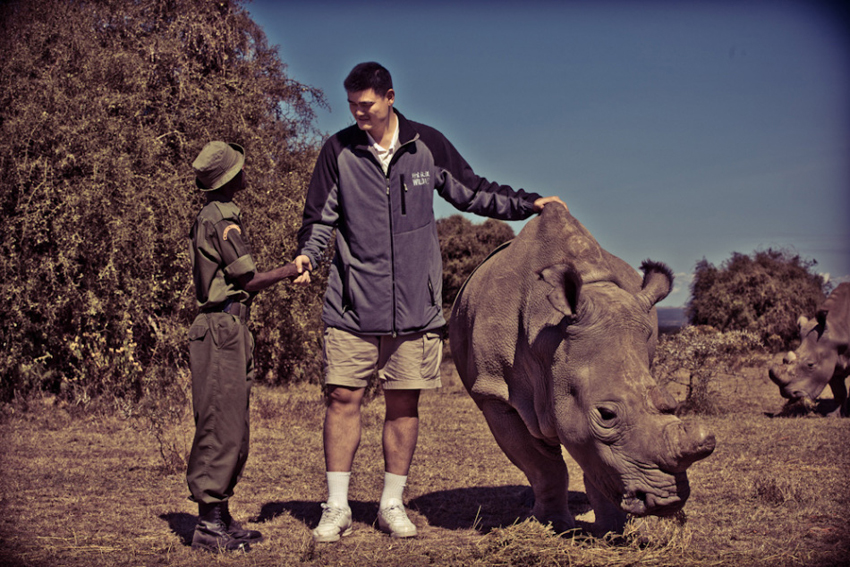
x=553 y=338
x=823 y=356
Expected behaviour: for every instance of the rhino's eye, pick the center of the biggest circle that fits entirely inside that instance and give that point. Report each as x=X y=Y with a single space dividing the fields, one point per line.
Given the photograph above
x=608 y=415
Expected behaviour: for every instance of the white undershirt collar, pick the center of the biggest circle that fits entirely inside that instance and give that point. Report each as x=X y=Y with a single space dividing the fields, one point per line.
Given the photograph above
x=384 y=155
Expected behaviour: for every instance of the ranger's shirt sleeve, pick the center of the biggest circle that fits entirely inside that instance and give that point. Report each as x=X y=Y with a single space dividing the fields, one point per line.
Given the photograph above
x=236 y=253
x=458 y=184
x=321 y=209
x=220 y=253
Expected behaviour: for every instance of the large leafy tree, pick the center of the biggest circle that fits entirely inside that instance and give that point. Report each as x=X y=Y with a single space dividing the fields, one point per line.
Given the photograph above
x=103 y=106
x=763 y=293
x=464 y=245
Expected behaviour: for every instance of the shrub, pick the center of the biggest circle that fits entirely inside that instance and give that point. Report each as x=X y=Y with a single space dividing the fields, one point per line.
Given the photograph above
x=763 y=294
x=103 y=106
x=464 y=245
x=695 y=357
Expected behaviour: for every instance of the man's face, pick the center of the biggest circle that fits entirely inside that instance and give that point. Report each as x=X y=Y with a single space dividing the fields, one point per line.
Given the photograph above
x=371 y=111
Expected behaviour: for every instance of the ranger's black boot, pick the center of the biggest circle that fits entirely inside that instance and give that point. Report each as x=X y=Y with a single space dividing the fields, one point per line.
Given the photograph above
x=211 y=533
x=235 y=529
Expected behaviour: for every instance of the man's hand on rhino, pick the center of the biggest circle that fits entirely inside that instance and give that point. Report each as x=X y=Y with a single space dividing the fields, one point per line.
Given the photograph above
x=542 y=201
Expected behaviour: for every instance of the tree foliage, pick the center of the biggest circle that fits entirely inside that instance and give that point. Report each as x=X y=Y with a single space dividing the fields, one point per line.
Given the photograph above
x=103 y=106
x=695 y=357
x=763 y=293
x=464 y=245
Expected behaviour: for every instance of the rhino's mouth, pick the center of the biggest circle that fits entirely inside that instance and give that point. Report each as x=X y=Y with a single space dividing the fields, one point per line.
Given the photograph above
x=791 y=389
x=666 y=501
x=797 y=399
x=645 y=503
x=798 y=406
x=802 y=398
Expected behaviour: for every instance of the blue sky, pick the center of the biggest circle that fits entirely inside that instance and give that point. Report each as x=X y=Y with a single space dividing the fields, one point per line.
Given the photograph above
x=674 y=131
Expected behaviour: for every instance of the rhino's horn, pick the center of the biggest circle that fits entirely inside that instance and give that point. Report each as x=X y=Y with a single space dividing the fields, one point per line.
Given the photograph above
x=657 y=283
x=778 y=376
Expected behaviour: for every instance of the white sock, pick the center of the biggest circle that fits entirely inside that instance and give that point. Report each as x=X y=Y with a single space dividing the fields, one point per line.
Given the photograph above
x=338 y=489
x=393 y=488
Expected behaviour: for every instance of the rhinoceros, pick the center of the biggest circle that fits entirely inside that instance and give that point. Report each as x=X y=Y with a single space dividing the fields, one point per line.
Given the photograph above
x=553 y=337
x=823 y=356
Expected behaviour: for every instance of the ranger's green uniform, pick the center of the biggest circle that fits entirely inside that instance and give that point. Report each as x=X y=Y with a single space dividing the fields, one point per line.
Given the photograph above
x=221 y=352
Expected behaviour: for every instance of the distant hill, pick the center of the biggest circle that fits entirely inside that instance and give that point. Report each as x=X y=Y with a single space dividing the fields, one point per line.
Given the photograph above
x=671 y=319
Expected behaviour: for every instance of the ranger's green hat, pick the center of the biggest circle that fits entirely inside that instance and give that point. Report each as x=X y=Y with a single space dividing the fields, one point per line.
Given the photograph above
x=217 y=164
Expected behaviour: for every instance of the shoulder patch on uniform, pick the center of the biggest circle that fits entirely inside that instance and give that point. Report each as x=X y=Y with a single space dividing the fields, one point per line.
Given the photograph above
x=230 y=227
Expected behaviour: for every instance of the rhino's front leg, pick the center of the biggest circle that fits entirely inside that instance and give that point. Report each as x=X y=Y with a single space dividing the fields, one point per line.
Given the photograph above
x=609 y=516
x=541 y=462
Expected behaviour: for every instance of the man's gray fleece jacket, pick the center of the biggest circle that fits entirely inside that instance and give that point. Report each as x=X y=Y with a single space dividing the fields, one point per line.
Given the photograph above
x=386 y=275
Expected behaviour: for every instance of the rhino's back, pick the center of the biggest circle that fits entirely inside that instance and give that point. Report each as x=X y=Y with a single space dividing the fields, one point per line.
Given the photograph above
x=503 y=304
x=482 y=345
x=837 y=308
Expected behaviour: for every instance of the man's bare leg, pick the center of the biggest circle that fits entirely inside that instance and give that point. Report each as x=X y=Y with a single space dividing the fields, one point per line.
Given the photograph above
x=342 y=427
x=401 y=429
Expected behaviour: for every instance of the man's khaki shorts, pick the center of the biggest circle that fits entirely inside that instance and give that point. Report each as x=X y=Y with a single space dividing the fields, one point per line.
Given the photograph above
x=407 y=362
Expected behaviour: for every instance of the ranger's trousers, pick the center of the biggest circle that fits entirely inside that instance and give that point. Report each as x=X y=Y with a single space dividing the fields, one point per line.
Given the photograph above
x=221 y=355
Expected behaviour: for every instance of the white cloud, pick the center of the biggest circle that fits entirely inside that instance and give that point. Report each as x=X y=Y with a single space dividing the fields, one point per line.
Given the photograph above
x=837 y=281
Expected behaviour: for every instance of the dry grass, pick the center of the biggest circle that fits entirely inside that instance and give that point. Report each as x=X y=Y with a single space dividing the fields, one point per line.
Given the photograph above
x=92 y=491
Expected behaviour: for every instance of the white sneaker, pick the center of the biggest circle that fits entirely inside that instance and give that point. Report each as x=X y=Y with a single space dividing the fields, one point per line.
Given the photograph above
x=335 y=522
x=393 y=520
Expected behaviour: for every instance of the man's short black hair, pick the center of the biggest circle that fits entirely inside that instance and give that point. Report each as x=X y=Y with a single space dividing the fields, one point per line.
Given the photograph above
x=367 y=76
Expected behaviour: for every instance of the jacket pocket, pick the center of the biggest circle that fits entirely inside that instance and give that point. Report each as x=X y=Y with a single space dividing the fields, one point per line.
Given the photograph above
x=403 y=191
x=416 y=202
x=345 y=292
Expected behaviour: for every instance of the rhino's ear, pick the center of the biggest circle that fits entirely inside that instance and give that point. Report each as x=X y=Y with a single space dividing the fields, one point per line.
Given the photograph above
x=566 y=286
x=657 y=283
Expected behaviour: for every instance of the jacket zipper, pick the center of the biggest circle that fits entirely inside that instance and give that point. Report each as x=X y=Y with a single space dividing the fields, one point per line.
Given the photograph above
x=392 y=240
x=392 y=251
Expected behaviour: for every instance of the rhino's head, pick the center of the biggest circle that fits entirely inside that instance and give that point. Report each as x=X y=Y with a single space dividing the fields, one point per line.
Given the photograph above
x=609 y=412
x=806 y=372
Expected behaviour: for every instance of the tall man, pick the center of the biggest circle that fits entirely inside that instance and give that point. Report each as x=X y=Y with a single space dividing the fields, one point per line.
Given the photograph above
x=221 y=348
x=374 y=183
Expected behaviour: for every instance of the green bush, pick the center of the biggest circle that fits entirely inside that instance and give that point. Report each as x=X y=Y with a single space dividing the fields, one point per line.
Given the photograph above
x=763 y=293
x=464 y=245
x=103 y=106
x=695 y=357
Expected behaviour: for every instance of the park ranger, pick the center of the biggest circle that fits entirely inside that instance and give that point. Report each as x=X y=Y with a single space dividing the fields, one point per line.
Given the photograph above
x=221 y=346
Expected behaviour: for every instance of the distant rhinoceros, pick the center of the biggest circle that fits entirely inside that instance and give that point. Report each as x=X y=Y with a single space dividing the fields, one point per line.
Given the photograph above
x=823 y=356
x=553 y=338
